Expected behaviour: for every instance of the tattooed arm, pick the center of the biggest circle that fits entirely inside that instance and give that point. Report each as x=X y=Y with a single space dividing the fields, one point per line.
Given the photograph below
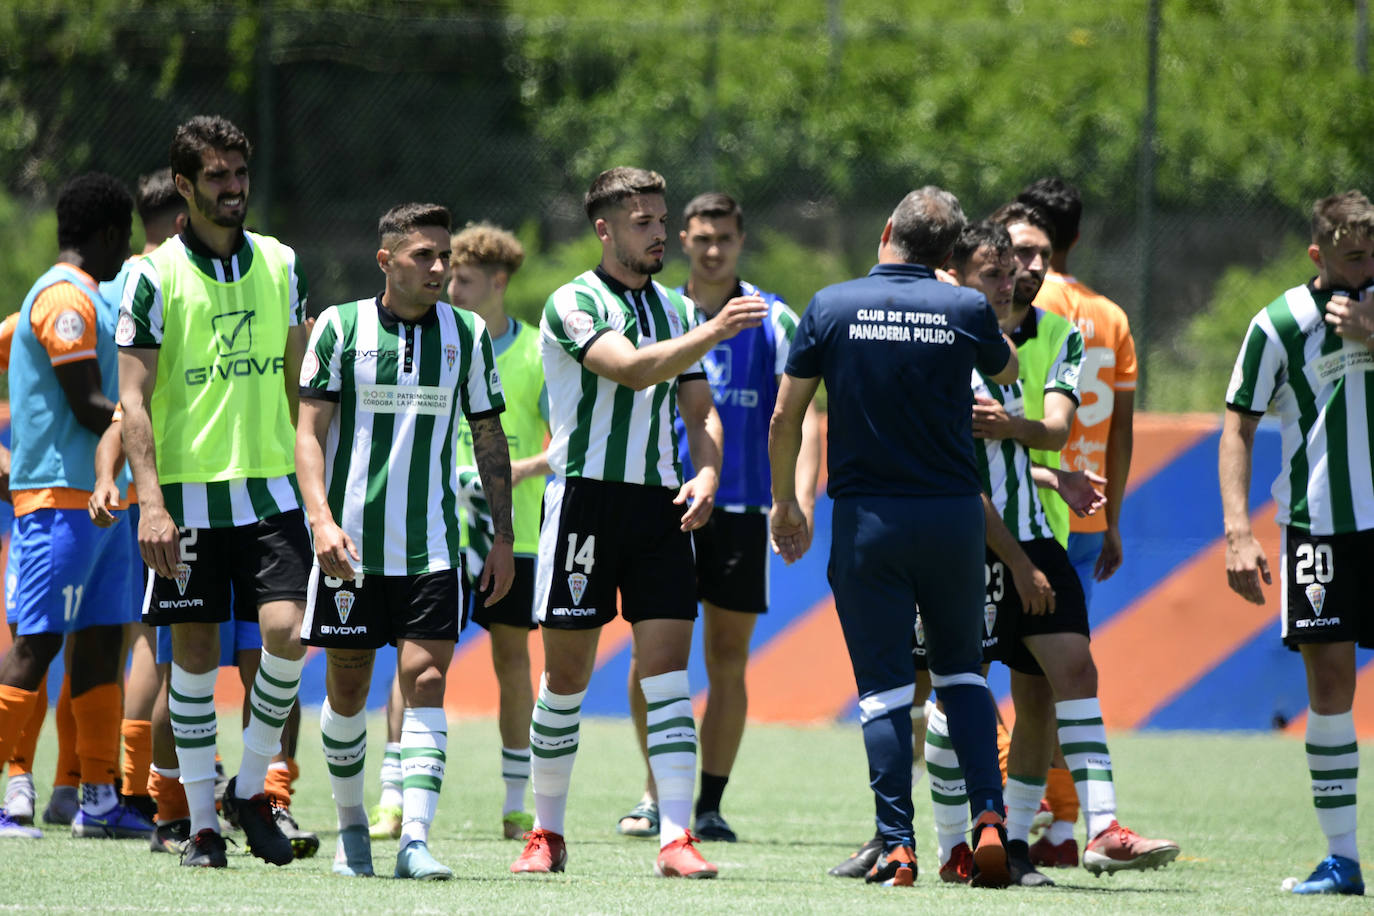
x=492 y=452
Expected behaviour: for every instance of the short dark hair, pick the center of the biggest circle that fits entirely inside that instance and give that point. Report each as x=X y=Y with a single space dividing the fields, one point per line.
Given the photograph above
x=982 y=234
x=201 y=133
x=89 y=204
x=1341 y=214
x=157 y=196
x=615 y=186
x=925 y=226
x=403 y=219
x=715 y=205
x=1017 y=212
x=1061 y=205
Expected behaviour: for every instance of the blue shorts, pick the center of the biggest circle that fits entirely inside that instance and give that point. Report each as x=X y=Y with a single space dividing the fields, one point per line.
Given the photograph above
x=1084 y=548
x=11 y=573
x=235 y=636
x=72 y=575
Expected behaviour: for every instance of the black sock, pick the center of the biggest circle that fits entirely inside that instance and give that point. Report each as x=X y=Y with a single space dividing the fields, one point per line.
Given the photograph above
x=712 y=788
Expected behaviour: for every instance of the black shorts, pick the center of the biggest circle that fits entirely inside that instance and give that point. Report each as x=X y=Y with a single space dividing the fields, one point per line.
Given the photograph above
x=268 y=560
x=1326 y=582
x=514 y=610
x=373 y=611
x=600 y=536
x=1004 y=621
x=732 y=561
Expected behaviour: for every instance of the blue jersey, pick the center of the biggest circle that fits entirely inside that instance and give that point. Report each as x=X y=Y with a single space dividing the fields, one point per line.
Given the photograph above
x=896 y=350
x=51 y=448
x=743 y=372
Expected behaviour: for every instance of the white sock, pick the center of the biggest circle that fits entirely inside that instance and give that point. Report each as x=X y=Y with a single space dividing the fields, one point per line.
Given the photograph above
x=1083 y=738
x=672 y=750
x=1060 y=832
x=553 y=751
x=948 y=794
x=98 y=798
x=424 y=751
x=515 y=772
x=191 y=703
x=1333 y=759
x=391 y=775
x=269 y=703
x=345 y=752
x=1022 y=797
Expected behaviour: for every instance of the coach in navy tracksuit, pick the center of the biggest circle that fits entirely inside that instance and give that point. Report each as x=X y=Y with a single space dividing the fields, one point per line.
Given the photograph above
x=896 y=350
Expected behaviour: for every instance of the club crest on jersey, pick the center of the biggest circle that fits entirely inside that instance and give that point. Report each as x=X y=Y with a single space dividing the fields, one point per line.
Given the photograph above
x=183 y=578
x=124 y=330
x=577 y=585
x=343 y=603
x=450 y=354
x=989 y=616
x=920 y=631
x=1316 y=596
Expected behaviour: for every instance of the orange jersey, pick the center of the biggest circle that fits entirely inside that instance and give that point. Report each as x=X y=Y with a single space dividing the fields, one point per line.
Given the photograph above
x=1109 y=366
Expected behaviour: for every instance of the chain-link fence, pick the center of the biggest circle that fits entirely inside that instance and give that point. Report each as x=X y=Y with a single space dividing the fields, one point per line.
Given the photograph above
x=819 y=120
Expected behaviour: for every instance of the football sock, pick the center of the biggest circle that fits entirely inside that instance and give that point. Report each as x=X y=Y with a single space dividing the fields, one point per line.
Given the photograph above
x=281 y=775
x=345 y=752
x=16 y=708
x=98 y=798
x=1083 y=739
x=515 y=773
x=191 y=702
x=137 y=735
x=971 y=716
x=1023 y=796
x=391 y=775
x=68 y=771
x=21 y=759
x=1333 y=758
x=553 y=751
x=164 y=785
x=1060 y=832
x=269 y=703
x=712 y=788
x=97 y=714
x=424 y=747
x=948 y=797
x=672 y=735
x=1062 y=796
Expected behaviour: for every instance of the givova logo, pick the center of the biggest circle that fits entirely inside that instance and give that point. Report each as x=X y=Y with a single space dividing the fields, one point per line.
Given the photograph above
x=233 y=333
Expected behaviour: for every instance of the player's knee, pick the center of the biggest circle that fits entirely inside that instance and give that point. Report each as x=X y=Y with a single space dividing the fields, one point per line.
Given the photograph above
x=427 y=688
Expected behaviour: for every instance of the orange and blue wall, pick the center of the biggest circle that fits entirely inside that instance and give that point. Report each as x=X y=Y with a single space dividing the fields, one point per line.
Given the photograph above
x=1175 y=649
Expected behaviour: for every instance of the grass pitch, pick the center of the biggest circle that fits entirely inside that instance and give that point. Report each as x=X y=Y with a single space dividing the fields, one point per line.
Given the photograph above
x=1238 y=805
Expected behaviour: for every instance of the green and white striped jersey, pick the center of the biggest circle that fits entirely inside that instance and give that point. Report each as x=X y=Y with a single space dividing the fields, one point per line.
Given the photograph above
x=601 y=429
x=219 y=326
x=401 y=389
x=1004 y=467
x=1319 y=384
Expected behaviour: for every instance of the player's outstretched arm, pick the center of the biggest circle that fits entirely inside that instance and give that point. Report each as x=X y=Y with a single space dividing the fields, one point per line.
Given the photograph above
x=158 y=541
x=612 y=355
x=1037 y=596
x=492 y=453
x=1245 y=560
x=705 y=442
x=789 y=532
x=1078 y=489
x=334 y=549
x=991 y=421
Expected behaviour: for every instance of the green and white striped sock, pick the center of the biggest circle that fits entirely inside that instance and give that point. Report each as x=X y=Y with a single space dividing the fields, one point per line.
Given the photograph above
x=1333 y=758
x=269 y=703
x=191 y=702
x=554 y=729
x=424 y=752
x=345 y=752
x=1083 y=739
x=948 y=794
x=672 y=750
x=515 y=773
